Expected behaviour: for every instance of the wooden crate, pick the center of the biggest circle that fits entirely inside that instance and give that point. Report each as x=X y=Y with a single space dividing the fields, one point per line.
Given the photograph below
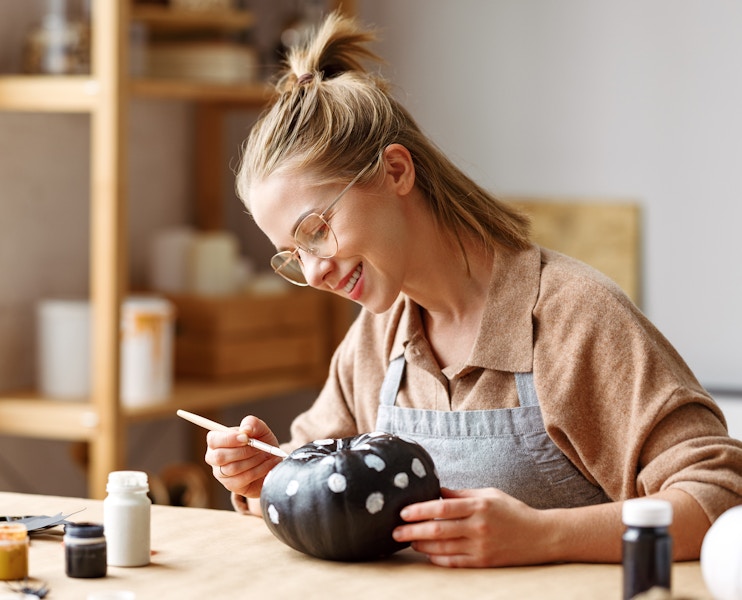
x=604 y=233
x=246 y=334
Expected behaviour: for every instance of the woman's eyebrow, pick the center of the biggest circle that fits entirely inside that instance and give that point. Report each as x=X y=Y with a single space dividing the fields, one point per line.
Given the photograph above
x=300 y=218
x=294 y=227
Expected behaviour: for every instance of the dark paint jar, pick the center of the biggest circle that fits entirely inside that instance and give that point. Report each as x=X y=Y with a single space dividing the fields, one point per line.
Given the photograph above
x=647 y=546
x=84 y=550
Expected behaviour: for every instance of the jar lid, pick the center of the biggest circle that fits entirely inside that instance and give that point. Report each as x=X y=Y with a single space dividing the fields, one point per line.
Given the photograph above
x=131 y=481
x=84 y=530
x=647 y=512
x=13 y=531
x=154 y=305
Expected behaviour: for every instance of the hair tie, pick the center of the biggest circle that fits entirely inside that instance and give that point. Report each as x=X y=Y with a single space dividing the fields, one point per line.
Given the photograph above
x=306 y=78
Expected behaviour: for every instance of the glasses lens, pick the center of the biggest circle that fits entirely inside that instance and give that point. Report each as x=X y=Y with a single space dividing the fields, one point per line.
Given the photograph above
x=315 y=236
x=288 y=266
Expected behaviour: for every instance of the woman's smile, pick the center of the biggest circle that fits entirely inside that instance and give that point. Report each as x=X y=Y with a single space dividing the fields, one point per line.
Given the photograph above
x=353 y=279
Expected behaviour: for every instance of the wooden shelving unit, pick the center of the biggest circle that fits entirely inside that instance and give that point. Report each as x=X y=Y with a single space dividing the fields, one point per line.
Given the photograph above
x=101 y=420
x=166 y=18
x=48 y=94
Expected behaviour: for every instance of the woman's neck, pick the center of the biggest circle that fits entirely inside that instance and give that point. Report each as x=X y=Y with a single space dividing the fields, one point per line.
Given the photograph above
x=451 y=290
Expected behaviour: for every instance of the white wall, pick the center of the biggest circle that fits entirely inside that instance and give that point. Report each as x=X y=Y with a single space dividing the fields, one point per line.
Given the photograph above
x=629 y=99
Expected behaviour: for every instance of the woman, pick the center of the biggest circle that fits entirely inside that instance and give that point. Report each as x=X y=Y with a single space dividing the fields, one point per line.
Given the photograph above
x=545 y=397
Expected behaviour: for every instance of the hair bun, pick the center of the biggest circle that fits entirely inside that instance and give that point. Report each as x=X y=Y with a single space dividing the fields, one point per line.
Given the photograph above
x=337 y=46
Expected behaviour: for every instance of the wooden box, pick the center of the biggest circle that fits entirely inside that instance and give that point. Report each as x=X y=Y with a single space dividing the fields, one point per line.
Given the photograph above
x=247 y=334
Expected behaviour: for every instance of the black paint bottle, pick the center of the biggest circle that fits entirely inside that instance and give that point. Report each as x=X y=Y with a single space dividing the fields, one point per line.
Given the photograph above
x=647 y=546
x=85 y=550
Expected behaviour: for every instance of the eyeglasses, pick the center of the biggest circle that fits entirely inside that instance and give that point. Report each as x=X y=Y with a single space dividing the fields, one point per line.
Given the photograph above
x=314 y=236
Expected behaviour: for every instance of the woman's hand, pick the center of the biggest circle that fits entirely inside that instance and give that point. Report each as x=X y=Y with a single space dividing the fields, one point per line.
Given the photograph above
x=238 y=467
x=474 y=528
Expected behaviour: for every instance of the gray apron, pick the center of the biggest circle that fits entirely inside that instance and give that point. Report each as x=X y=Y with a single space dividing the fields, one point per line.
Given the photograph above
x=506 y=448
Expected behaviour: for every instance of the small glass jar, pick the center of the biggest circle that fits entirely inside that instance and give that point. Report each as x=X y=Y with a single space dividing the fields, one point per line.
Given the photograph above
x=13 y=551
x=59 y=44
x=647 y=546
x=84 y=550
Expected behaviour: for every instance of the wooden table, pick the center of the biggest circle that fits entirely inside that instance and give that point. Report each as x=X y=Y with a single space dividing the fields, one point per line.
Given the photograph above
x=214 y=554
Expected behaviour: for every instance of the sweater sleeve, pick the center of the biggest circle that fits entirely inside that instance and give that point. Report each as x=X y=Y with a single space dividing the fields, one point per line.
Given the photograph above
x=622 y=404
x=331 y=414
x=689 y=449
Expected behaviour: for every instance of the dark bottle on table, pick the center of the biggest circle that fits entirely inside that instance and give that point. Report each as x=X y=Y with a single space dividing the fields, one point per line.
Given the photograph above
x=647 y=546
x=84 y=550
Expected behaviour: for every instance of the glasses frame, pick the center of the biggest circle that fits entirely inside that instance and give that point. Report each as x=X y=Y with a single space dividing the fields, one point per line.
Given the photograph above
x=287 y=257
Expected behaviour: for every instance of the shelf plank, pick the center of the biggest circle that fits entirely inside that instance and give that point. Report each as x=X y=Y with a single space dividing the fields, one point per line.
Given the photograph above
x=30 y=93
x=203 y=395
x=248 y=94
x=168 y=18
x=39 y=93
x=28 y=415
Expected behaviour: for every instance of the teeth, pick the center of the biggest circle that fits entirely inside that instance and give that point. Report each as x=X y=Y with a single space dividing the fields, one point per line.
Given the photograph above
x=352 y=281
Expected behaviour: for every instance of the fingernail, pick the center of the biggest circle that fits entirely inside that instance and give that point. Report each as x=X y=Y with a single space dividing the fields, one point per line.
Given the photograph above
x=242 y=438
x=404 y=513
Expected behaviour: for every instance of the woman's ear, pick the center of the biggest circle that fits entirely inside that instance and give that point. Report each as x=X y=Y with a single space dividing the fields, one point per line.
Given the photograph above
x=399 y=167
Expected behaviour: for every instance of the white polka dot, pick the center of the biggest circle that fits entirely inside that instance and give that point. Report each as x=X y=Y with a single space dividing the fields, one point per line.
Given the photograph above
x=374 y=462
x=328 y=460
x=292 y=487
x=273 y=514
x=375 y=502
x=401 y=480
x=337 y=483
x=301 y=455
x=418 y=468
x=325 y=442
x=362 y=447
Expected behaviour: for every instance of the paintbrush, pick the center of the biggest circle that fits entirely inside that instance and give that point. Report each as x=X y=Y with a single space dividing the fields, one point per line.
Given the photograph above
x=214 y=426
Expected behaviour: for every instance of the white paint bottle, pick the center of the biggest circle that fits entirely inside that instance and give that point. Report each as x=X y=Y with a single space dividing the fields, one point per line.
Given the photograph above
x=126 y=519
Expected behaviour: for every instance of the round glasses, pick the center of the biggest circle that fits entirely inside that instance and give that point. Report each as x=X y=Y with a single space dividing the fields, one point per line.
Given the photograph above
x=314 y=236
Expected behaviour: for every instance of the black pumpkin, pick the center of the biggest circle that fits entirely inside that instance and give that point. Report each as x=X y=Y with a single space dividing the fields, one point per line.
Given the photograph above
x=340 y=499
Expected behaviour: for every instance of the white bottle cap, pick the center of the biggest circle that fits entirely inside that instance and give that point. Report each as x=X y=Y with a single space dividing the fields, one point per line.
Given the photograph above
x=647 y=512
x=131 y=481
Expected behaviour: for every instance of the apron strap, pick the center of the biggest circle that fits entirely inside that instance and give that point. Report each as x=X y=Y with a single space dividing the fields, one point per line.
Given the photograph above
x=392 y=381
x=526 y=389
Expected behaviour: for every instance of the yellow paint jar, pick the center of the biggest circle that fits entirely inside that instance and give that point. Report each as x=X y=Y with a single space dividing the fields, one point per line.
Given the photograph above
x=13 y=551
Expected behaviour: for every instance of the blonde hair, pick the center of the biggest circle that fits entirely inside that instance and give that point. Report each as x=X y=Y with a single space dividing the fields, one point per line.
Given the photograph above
x=332 y=118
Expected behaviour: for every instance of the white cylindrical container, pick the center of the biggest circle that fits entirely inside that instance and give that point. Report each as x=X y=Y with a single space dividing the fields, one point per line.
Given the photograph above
x=213 y=264
x=169 y=260
x=126 y=519
x=147 y=332
x=63 y=348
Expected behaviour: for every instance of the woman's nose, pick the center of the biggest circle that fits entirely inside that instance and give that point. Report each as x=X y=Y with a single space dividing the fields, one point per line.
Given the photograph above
x=315 y=269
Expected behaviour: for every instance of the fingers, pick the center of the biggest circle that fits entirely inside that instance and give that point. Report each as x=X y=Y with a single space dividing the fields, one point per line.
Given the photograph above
x=224 y=439
x=258 y=429
x=450 y=530
x=238 y=467
x=245 y=477
x=256 y=462
x=449 y=508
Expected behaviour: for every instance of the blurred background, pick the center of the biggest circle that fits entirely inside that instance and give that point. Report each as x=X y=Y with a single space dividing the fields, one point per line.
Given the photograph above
x=588 y=100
